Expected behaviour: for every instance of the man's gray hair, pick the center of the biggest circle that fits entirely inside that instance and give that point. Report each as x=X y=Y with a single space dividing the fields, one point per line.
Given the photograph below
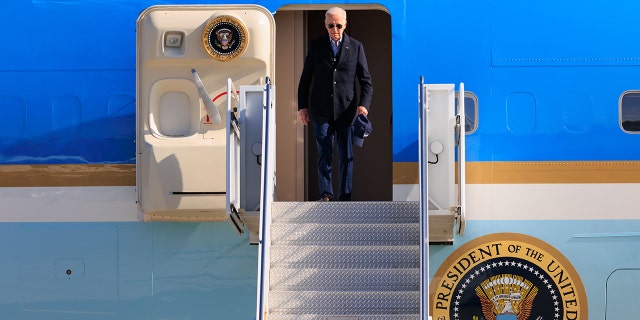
x=336 y=11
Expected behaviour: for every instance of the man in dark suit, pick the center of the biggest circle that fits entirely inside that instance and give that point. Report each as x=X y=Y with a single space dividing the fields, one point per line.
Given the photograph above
x=327 y=98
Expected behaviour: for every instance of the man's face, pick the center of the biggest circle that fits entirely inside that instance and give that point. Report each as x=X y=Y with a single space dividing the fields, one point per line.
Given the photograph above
x=335 y=25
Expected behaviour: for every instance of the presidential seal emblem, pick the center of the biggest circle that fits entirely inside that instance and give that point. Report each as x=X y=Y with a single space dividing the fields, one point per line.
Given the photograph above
x=224 y=38
x=507 y=276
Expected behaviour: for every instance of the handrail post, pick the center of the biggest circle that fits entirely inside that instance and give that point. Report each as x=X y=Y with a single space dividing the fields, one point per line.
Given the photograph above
x=267 y=197
x=424 y=200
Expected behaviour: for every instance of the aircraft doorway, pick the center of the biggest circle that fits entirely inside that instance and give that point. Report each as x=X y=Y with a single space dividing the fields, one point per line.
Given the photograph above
x=296 y=150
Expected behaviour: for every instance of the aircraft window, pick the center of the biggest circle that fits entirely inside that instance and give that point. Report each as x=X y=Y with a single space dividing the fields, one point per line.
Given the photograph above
x=629 y=105
x=470 y=111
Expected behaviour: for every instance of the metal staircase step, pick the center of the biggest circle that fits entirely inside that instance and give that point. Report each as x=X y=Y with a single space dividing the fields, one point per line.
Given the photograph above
x=349 y=257
x=345 y=279
x=344 y=303
x=346 y=212
x=345 y=234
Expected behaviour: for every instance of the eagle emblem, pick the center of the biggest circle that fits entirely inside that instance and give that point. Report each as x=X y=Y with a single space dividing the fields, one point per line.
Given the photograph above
x=506 y=297
x=224 y=38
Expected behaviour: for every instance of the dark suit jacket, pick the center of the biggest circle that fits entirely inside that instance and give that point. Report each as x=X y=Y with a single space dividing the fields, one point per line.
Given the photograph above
x=328 y=87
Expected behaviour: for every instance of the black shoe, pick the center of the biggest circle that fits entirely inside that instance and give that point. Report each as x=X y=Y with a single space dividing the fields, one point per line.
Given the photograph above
x=325 y=198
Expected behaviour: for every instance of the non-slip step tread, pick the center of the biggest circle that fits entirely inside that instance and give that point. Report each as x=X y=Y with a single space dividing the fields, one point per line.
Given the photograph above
x=345 y=234
x=338 y=257
x=344 y=279
x=342 y=303
x=347 y=212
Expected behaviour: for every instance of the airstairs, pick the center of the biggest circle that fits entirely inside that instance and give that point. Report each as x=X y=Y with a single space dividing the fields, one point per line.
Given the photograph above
x=360 y=260
x=344 y=260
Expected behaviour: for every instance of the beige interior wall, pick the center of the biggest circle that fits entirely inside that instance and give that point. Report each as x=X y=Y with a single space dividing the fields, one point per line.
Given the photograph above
x=290 y=146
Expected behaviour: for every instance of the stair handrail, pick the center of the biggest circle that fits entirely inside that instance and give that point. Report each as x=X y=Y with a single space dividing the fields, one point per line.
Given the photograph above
x=423 y=139
x=267 y=196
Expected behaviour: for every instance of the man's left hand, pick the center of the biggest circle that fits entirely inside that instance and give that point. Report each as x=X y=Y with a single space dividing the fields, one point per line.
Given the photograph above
x=362 y=110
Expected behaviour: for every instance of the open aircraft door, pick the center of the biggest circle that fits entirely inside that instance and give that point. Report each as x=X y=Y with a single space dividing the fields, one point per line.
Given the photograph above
x=201 y=77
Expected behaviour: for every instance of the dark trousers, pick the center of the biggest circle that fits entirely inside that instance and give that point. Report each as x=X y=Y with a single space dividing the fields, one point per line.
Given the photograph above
x=324 y=132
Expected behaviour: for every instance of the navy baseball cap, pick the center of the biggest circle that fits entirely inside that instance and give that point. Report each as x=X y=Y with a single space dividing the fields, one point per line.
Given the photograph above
x=361 y=129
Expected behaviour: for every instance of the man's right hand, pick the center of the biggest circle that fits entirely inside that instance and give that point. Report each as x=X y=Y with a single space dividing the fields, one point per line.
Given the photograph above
x=303 y=115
